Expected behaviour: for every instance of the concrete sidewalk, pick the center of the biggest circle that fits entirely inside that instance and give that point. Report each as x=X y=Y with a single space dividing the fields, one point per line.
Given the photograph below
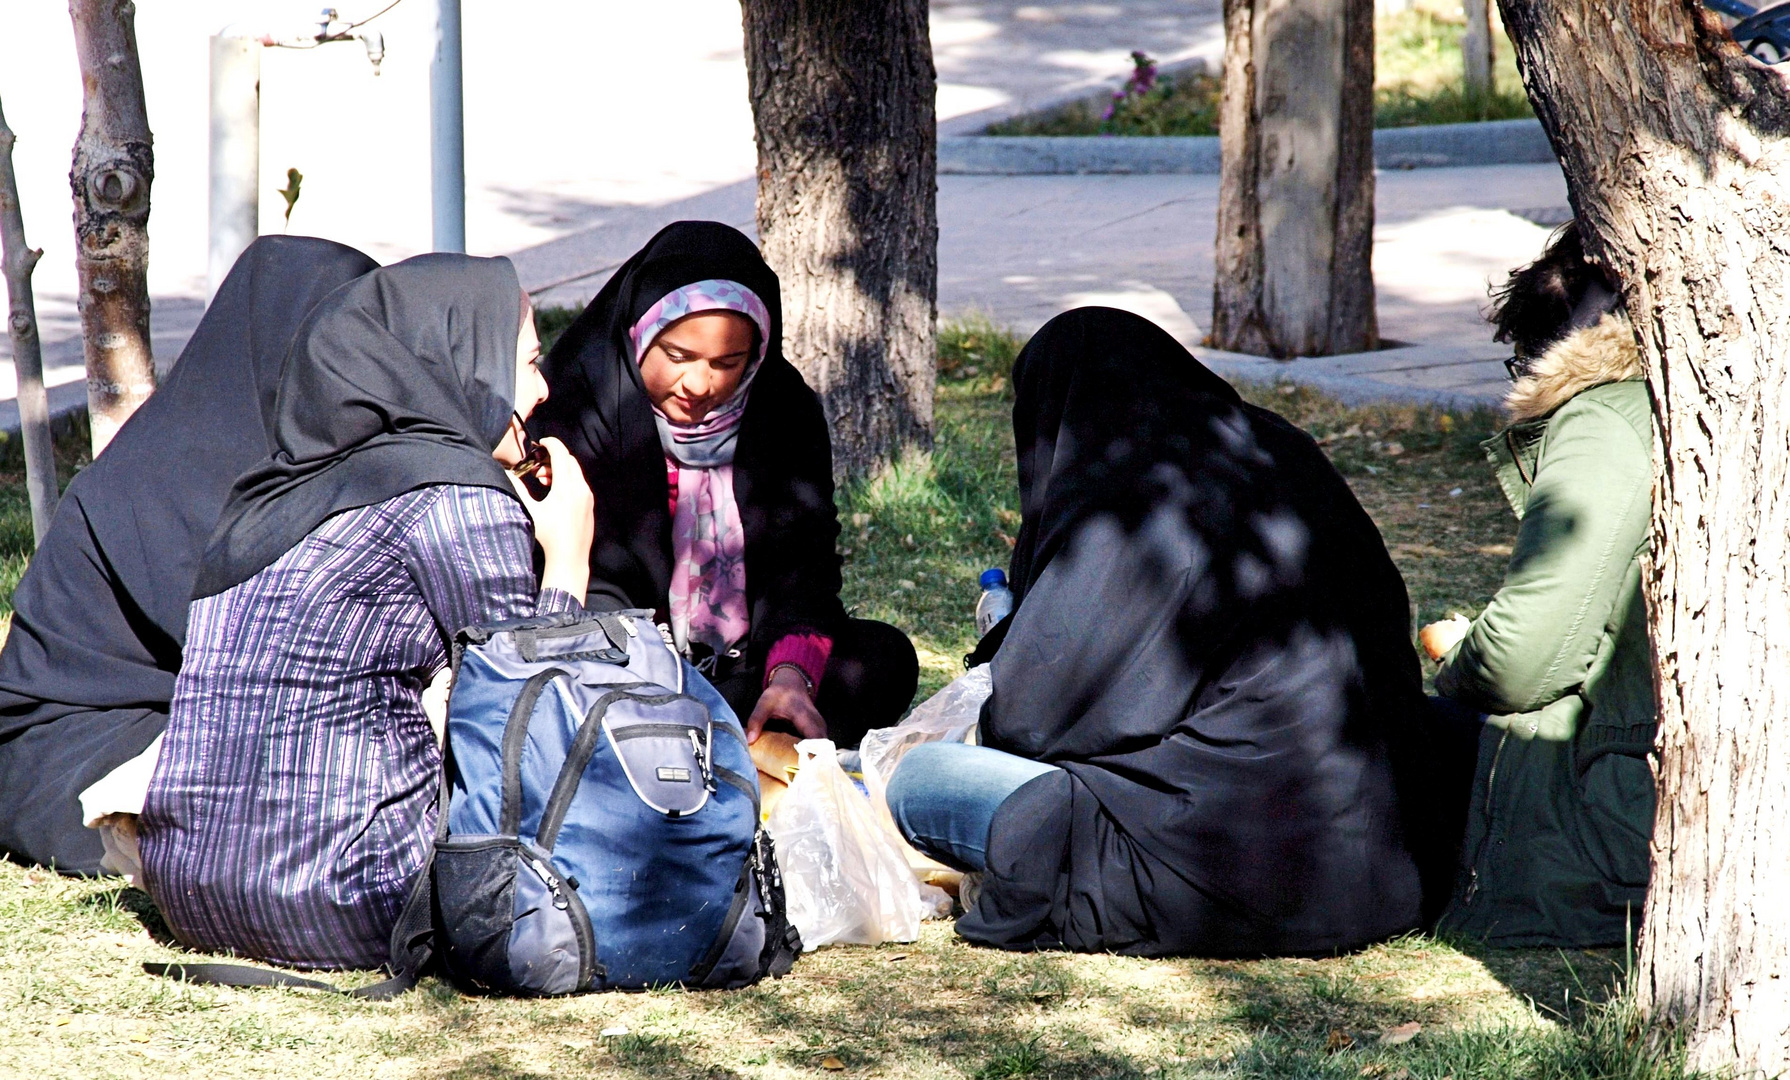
x=1023 y=248
x=573 y=166
x=580 y=116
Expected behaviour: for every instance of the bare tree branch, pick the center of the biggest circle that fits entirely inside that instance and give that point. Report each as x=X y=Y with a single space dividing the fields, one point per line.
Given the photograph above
x=18 y=259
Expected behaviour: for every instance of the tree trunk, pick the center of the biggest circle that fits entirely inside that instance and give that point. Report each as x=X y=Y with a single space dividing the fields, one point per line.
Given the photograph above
x=1296 y=194
x=17 y=260
x=1678 y=167
x=842 y=106
x=1476 y=49
x=113 y=167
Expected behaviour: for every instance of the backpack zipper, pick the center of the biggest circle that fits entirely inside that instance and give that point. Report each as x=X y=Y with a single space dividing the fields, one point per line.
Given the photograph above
x=702 y=761
x=554 y=885
x=1491 y=778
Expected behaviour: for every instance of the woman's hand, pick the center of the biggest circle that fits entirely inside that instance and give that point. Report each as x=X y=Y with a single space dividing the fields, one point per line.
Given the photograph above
x=1439 y=637
x=786 y=697
x=565 y=520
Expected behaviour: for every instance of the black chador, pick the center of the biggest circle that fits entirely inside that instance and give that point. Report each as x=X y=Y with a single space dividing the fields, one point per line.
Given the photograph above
x=1213 y=644
x=99 y=619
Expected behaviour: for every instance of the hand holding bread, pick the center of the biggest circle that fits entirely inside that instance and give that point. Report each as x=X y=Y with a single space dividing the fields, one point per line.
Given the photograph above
x=1439 y=637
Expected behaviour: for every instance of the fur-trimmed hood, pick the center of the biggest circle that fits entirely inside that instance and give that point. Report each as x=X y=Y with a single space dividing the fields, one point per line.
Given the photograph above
x=1599 y=354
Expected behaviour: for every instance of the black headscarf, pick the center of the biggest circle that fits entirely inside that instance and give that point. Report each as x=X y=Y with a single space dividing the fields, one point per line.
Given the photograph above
x=1212 y=642
x=99 y=617
x=1100 y=398
x=403 y=378
x=782 y=467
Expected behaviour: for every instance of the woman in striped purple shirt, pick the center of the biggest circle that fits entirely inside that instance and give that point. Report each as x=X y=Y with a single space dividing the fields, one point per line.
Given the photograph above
x=293 y=798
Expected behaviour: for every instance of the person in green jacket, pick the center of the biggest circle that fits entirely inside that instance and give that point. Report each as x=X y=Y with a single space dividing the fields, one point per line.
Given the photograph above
x=1561 y=813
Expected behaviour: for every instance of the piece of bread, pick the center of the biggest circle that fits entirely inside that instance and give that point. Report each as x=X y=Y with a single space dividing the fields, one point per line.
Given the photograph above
x=770 y=792
x=775 y=755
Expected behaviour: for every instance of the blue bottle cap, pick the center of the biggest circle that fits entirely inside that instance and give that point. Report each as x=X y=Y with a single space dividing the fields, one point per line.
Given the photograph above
x=994 y=578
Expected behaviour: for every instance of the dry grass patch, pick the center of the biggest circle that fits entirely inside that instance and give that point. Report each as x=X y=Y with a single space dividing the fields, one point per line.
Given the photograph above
x=78 y=1004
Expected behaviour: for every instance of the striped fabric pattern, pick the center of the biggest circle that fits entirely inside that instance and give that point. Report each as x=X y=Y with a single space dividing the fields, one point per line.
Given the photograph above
x=293 y=800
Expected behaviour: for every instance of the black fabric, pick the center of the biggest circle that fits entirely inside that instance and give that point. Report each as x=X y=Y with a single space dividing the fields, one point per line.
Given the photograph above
x=869 y=682
x=782 y=466
x=99 y=617
x=1212 y=642
x=405 y=377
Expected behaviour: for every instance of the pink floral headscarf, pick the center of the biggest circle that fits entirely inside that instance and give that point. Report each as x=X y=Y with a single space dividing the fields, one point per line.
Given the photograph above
x=708 y=542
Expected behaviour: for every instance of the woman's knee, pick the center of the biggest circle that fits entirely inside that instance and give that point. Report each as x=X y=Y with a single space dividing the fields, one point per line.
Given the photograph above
x=870 y=679
x=913 y=778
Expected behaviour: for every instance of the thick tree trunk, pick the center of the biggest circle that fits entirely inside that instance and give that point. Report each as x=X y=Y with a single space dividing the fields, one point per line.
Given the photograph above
x=1679 y=169
x=113 y=167
x=842 y=105
x=1476 y=48
x=17 y=260
x=1296 y=194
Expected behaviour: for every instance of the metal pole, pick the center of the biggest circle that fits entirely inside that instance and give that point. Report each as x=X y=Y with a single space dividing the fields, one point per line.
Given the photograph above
x=235 y=153
x=447 y=135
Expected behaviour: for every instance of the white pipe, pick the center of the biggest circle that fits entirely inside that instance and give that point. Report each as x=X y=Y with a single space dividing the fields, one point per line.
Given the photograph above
x=235 y=209
x=447 y=135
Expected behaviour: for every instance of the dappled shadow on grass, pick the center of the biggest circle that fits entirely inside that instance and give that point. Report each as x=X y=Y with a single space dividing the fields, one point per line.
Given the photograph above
x=934 y=1007
x=132 y=901
x=1562 y=983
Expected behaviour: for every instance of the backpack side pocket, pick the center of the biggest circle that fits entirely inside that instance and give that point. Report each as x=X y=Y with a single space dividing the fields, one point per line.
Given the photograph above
x=512 y=925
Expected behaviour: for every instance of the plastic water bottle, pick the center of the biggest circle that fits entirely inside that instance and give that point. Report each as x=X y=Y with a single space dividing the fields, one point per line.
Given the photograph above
x=996 y=602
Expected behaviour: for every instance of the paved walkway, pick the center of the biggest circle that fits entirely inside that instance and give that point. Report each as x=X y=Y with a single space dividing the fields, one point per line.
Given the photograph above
x=576 y=114
x=572 y=167
x=1022 y=248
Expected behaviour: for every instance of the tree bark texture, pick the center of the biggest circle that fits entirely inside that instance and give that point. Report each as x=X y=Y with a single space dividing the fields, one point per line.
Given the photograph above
x=17 y=260
x=1678 y=168
x=1476 y=48
x=1296 y=190
x=113 y=167
x=842 y=105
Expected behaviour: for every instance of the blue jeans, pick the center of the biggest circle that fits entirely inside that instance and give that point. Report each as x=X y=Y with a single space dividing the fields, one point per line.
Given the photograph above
x=943 y=797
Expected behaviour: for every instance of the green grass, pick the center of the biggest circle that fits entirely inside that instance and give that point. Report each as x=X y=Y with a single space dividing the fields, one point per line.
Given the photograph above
x=1418 y=74
x=78 y=1006
x=1417 y=80
x=72 y=440
x=552 y=322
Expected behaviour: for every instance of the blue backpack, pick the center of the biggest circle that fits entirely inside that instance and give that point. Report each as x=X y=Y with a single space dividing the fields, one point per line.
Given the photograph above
x=600 y=821
x=598 y=826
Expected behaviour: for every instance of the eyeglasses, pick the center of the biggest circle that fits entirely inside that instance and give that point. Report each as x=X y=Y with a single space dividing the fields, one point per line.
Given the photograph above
x=534 y=455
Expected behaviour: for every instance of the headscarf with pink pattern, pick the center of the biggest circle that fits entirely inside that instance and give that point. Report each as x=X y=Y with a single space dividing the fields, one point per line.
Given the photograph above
x=708 y=541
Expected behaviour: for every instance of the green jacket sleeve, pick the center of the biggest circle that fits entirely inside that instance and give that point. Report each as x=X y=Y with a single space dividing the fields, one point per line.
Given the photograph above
x=1587 y=517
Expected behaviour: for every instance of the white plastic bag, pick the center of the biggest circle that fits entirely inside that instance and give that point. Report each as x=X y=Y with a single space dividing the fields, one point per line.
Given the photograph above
x=845 y=878
x=951 y=715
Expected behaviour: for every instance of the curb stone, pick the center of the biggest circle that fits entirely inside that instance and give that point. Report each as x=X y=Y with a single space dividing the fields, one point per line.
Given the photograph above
x=1494 y=142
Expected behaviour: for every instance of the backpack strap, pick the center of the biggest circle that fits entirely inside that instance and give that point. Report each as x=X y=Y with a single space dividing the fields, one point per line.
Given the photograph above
x=515 y=736
x=246 y=976
x=584 y=745
x=235 y=975
x=782 y=941
x=413 y=935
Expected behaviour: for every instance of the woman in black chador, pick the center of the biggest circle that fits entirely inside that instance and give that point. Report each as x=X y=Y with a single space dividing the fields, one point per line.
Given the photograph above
x=1203 y=736
x=99 y=618
x=713 y=475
